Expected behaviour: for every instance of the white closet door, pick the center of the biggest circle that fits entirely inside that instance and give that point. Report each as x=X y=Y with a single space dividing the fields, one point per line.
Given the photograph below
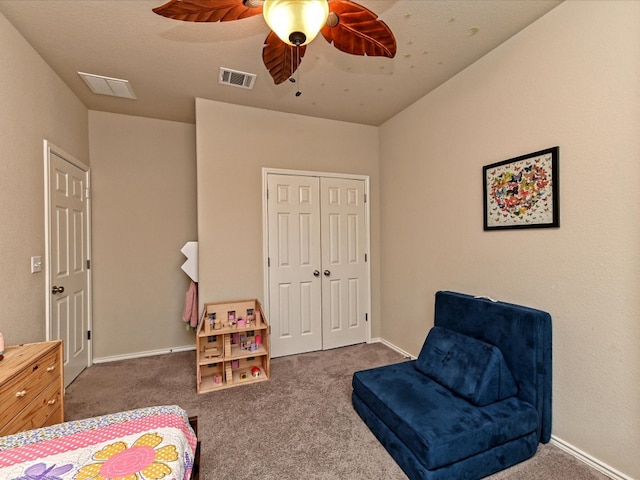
x=294 y=264
x=345 y=286
x=317 y=275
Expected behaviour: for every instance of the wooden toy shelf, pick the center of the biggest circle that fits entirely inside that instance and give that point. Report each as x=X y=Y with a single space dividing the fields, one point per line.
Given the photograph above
x=232 y=345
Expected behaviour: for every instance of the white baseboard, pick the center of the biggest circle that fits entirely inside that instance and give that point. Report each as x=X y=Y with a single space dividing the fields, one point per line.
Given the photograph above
x=589 y=460
x=148 y=353
x=392 y=347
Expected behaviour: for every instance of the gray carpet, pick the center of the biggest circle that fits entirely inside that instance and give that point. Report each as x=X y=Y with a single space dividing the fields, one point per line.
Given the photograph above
x=299 y=424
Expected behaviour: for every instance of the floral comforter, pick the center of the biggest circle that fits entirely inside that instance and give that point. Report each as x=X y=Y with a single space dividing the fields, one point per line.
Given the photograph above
x=145 y=444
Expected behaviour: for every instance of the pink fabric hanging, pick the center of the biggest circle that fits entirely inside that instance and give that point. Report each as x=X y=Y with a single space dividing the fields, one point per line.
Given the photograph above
x=190 y=314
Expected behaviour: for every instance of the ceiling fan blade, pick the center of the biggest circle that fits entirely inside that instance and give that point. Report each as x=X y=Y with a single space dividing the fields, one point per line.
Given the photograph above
x=281 y=59
x=359 y=32
x=207 y=10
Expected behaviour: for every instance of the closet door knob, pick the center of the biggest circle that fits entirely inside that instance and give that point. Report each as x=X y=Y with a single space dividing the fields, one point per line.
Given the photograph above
x=326 y=273
x=316 y=273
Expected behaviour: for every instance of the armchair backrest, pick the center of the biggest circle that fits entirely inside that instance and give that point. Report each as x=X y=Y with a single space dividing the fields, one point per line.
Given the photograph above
x=522 y=334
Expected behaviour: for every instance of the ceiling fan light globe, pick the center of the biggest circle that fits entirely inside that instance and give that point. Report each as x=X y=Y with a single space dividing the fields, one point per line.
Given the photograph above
x=290 y=18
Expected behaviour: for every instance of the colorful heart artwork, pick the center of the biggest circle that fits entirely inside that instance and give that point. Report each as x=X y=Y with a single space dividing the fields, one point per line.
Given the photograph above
x=520 y=192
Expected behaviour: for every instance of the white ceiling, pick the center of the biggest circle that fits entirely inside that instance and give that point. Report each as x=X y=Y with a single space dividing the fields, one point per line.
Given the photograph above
x=169 y=63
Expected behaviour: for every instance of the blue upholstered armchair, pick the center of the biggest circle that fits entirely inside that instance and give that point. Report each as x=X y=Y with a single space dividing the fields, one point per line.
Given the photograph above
x=475 y=401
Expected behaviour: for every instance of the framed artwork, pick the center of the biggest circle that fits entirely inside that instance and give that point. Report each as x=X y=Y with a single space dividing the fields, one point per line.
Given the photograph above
x=522 y=192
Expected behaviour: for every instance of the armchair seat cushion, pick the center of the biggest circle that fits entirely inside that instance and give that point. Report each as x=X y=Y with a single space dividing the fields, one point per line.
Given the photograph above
x=437 y=425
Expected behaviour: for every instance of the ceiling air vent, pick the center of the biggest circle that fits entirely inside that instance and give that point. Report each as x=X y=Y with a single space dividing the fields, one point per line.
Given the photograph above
x=237 y=79
x=102 y=85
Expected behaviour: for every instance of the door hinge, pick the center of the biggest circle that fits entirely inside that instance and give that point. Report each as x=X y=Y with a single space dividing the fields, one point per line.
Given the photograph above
x=89 y=264
x=86 y=193
x=267 y=194
x=365 y=257
x=88 y=334
x=268 y=261
x=365 y=198
x=366 y=317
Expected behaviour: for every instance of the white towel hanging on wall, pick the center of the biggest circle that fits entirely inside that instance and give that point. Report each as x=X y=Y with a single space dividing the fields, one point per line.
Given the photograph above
x=190 y=267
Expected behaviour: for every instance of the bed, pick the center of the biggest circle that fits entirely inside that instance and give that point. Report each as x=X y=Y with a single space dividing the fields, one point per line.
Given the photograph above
x=147 y=443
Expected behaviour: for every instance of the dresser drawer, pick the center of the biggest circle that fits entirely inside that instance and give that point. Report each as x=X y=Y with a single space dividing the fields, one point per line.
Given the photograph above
x=44 y=410
x=18 y=392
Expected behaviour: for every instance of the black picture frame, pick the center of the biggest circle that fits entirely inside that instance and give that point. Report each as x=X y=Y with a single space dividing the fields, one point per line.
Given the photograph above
x=522 y=192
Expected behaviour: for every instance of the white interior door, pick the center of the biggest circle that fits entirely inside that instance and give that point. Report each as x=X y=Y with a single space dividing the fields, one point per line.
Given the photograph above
x=67 y=258
x=345 y=283
x=294 y=264
x=317 y=275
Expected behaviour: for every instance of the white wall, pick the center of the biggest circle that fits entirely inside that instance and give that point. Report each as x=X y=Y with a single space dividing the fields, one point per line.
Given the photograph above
x=144 y=211
x=144 y=208
x=35 y=105
x=571 y=79
x=233 y=144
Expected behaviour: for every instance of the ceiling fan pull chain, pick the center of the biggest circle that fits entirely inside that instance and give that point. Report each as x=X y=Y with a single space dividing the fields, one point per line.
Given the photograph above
x=298 y=93
x=291 y=58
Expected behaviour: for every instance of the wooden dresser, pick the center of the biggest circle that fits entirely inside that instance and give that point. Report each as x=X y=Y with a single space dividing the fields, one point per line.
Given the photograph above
x=31 y=386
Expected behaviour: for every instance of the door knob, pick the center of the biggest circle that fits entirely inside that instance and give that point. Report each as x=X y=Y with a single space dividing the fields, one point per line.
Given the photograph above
x=55 y=289
x=316 y=273
x=326 y=273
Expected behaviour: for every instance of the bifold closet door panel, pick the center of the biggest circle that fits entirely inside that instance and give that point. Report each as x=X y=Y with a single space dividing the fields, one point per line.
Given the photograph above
x=345 y=286
x=294 y=264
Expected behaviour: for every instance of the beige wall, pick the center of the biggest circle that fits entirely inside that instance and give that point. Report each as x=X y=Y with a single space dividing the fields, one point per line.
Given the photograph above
x=144 y=211
x=234 y=143
x=35 y=105
x=571 y=79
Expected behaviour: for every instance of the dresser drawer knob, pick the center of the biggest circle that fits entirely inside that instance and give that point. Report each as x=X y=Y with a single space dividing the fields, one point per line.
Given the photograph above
x=21 y=393
x=51 y=368
x=51 y=402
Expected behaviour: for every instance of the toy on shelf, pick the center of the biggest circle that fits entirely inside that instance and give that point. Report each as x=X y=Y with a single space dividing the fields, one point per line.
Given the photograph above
x=212 y=352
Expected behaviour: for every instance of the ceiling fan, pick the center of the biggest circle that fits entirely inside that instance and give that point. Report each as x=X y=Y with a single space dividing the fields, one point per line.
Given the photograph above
x=350 y=27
